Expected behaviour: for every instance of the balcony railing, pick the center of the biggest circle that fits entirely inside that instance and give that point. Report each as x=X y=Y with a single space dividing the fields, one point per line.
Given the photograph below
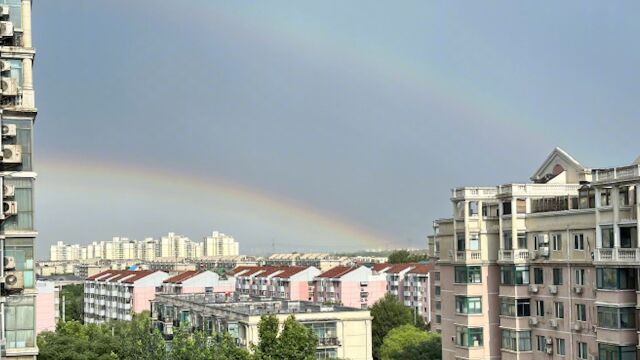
x=467 y=255
x=617 y=255
x=624 y=172
x=518 y=255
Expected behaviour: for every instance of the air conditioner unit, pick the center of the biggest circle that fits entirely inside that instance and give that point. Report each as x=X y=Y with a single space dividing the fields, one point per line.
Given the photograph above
x=577 y=289
x=548 y=340
x=11 y=154
x=9 y=130
x=14 y=280
x=577 y=326
x=5 y=65
x=543 y=251
x=9 y=263
x=553 y=289
x=533 y=321
x=6 y=28
x=533 y=289
x=9 y=86
x=8 y=191
x=9 y=208
x=4 y=10
x=553 y=323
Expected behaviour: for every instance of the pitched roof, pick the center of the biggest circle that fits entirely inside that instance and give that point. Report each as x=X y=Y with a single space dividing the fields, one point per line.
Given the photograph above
x=179 y=278
x=137 y=275
x=337 y=272
x=557 y=152
x=240 y=269
x=397 y=268
x=125 y=276
x=421 y=269
x=100 y=274
x=289 y=271
x=379 y=267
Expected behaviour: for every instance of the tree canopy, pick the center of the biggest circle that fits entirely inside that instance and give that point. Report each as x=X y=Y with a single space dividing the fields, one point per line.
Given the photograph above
x=388 y=313
x=73 y=301
x=294 y=342
x=404 y=256
x=407 y=342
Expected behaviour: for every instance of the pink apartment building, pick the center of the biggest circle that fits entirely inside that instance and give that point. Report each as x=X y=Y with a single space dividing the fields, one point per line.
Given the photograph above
x=282 y=282
x=117 y=294
x=356 y=286
x=46 y=306
x=197 y=281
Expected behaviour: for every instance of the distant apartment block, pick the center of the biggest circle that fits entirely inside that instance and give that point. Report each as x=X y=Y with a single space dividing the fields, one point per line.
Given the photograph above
x=342 y=332
x=541 y=270
x=197 y=281
x=353 y=286
x=47 y=306
x=411 y=284
x=318 y=260
x=117 y=294
x=219 y=244
x=290 y=282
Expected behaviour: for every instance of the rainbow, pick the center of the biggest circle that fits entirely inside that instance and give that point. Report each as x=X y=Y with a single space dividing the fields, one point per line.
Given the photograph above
x=205 y=192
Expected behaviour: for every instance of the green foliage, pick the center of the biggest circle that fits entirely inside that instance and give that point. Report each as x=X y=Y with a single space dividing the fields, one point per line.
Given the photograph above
x=74 y=300
x=407 y=342
x=404 y=256
x=295 y=341
x=388 y=313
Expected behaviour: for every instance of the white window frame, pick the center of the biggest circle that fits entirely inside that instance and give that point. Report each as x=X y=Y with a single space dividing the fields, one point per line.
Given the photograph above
x=556 y=242
x=578 y=239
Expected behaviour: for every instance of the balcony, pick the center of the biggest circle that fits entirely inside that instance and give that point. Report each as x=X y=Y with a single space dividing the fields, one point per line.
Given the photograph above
x=521 y=256
x=617 y=255
x=328 y=341
x=613 y=174
x=468 y=256
x=473 y=192
x=538 y=189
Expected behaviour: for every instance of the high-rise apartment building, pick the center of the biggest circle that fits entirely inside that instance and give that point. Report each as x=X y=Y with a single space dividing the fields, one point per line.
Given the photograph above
x=17 y=234
x=542 y=270
x=219 y=244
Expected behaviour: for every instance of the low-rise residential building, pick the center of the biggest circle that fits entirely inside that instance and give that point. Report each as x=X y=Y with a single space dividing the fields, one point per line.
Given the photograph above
x=117 y=294
x=417 y=290
x=354 y=286
x=285 y=282
x=202 y=281
x=343 y=332
x=47 y=306
x=320 y=261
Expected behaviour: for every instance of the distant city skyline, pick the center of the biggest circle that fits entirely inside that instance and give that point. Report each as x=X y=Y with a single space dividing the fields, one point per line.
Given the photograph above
x=329 y=126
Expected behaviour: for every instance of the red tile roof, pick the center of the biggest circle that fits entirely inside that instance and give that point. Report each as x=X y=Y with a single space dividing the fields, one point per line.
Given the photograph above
x=289 y=271
x=129 y=276
x=179 y=278
x=93 y=277
x=240 y=269
x=398 y=268
x=421 y=269
x=137 y=275
x=380 y=267
x=337 y=272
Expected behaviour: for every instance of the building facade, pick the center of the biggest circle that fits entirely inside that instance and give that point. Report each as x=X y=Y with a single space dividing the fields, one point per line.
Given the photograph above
x=197 y=281
x=287 y=282
x=542 y=270
x=17 y=233
x=343 y=332
x=118 y=294
x=353 y=286
x=219 y=244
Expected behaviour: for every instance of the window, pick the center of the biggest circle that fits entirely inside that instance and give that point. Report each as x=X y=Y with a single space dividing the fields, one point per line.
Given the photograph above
x=473 y=208
x=522 y=241
x=436 y=276
x=21 y=249
x=468 y=274
x=437 y=290
x=580 y=277
x=581 y=312
x=616 y=278
x=605 y=197
x=516 y=340
x=538 y=276
x=461 y=243
x=560 y=350
x=607 y=236
x=556 y=241
x=616 y=318
x=540 y=308
x=515 y=307
x=468 y=305
x=542 y=343
x=627 y=236
x=507 y=243
x=19 y=322
x=468 y=337
x=514 y=275
x=614 y=352
x=474 y=242
x=506 y=208
x=438 y=319
x=557 y=276
x=559 y=310
x=578 y=241
x=582 y=350
x=438 y=305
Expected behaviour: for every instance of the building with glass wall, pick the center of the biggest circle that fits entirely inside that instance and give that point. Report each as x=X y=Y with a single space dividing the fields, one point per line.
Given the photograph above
x=17 y=176
x=547 y=269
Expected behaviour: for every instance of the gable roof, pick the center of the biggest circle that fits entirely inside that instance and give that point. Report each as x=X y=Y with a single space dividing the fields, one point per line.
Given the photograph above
x=540 y=174
x=379 y=267
x=289 y=271
x=125 y=276
x=179 y=278
x=337 y=272
x=421 y=269
x=398 y=268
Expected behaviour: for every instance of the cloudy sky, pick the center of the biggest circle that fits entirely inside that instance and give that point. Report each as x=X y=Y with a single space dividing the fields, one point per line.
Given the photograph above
x=315 y=126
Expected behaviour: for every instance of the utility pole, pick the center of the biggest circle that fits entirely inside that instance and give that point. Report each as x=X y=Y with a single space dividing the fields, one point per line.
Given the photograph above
x=64 y=306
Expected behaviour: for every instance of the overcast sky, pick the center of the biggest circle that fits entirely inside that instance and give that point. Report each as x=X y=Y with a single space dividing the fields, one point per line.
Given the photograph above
x=315 y=126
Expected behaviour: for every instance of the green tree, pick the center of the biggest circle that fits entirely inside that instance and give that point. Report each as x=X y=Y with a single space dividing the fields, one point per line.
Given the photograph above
x=143 y=342
x=294 y=342
x=404 y=256
x=407 y=342
x=388 y=313
x=73 y=301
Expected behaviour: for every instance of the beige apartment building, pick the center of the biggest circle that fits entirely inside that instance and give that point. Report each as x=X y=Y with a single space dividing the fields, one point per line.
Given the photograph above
x=542 y=270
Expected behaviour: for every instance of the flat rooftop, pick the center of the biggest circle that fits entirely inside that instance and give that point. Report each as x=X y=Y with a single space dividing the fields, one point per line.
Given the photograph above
x=250 y=306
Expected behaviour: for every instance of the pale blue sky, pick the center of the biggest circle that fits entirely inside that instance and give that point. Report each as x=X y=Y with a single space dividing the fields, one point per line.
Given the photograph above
x=366 y=111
